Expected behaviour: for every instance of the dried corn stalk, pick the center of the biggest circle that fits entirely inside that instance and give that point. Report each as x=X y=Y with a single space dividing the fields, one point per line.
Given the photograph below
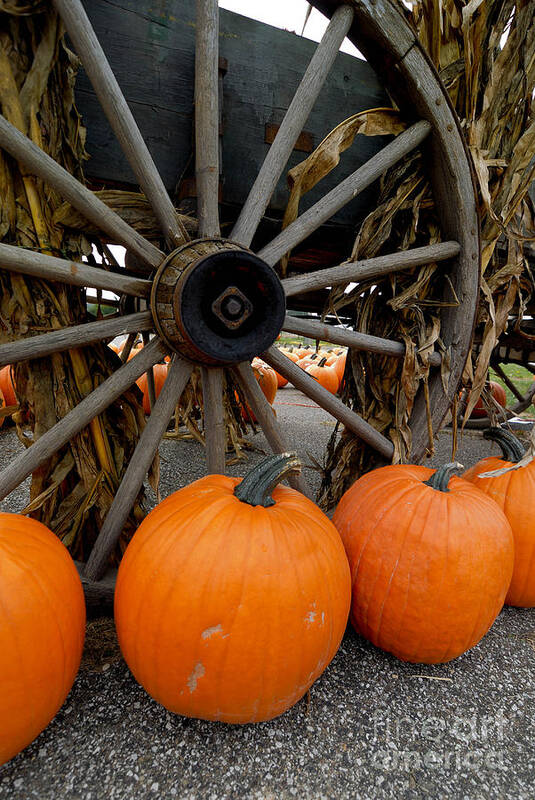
x=73 y=491
x=484 y=51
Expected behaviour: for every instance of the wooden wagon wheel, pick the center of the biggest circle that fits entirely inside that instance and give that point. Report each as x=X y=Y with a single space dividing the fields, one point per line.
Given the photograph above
x=214 y=302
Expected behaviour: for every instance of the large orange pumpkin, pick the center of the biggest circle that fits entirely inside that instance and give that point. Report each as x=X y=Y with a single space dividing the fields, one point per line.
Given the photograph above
x=42 y=625
x=160 y=374
x=431 y=560
x=230 y=602
x=514 y=492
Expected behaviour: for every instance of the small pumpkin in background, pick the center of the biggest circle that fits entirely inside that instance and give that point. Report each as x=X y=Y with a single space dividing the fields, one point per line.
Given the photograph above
x=431 y=560
x=514 y=492
x=340 y=366
x=233 y=596
x=496 y=391
x=308 y=360
x=7 y=386
x=42 y=627
x=291 y=355
x=3 y=404
x=325 y=375
x=160 y=375
x=266 y=378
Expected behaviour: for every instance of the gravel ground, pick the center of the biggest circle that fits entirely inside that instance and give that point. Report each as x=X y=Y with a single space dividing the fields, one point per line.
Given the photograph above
x=371 y=726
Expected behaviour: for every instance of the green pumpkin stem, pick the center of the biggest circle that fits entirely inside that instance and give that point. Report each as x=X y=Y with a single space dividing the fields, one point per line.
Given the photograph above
x=440 y=479
x=512 y=449
x=255 y=489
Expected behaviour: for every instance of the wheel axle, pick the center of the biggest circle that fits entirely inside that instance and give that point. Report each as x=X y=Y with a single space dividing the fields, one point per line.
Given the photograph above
x=216 y=302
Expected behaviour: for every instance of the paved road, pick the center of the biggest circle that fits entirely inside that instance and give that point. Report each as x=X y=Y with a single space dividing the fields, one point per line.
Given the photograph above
x=373 y=727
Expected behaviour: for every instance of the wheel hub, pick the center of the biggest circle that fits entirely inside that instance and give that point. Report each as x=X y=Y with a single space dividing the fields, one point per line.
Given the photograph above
x=216 y=302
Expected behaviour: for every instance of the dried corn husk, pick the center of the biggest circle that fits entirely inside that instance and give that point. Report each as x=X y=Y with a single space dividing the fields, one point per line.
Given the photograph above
x=484 y=51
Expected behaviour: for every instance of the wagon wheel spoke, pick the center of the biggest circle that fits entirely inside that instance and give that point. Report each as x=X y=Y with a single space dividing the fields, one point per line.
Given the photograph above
x=292 y=125
x=334 y=200
x=121 y=118
x=309 y=386
x=74 y=273
x=268 y=422
x=150 y=375
x=354 y=271
x=73 y=422
x=175 y=383
x=348 y=338
x=74 y=336
x=207 y=117
x=128 y=345
x=97 y=212
x=509 y=383
x=214 y=419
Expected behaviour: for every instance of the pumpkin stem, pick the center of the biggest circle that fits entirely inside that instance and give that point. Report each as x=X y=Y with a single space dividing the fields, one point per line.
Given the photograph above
x=255 y=489
x=512 y=449
x=322 y=362
x=440 y=479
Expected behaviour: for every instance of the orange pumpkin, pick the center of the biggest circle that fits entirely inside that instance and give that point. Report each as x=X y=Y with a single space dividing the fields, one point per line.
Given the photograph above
x=160 y=374
x=291 y=355
x=42 y=628
x=325 y=376
x=340 y=366
x=2 y=405
x=281 y=380
x=232 y=597
x=514 y=492
x=267 y=380
x=497 y=392
x=431 y=560
x=7 y=387
x=306 y=361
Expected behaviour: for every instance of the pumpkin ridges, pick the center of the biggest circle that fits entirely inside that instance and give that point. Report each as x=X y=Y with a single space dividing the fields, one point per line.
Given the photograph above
x=43 y=619
x=213 y=552
x=255 y=536
x=149 y=545
x=515 y=510
x=392 y=511
x=403 y=609
x=512 y=492
x=501 y=565
x=356 y=509
x=406 y=534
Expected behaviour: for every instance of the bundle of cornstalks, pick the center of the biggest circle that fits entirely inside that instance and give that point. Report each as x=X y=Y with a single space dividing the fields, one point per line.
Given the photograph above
x=72 y=492
x=484 y=51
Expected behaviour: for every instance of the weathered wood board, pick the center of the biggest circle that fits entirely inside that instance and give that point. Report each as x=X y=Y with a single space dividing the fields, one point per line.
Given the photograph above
x=150 y=47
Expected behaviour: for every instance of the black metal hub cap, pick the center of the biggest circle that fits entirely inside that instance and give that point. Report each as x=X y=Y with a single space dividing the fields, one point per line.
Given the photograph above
x=215 y=302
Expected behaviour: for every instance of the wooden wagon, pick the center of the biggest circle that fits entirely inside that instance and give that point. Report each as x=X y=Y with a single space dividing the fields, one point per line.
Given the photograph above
x=226 y=105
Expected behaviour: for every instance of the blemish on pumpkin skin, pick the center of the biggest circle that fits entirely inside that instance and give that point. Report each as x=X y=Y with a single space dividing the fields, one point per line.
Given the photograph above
x=310 y=617
x=206 y=634
x=197 y=672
